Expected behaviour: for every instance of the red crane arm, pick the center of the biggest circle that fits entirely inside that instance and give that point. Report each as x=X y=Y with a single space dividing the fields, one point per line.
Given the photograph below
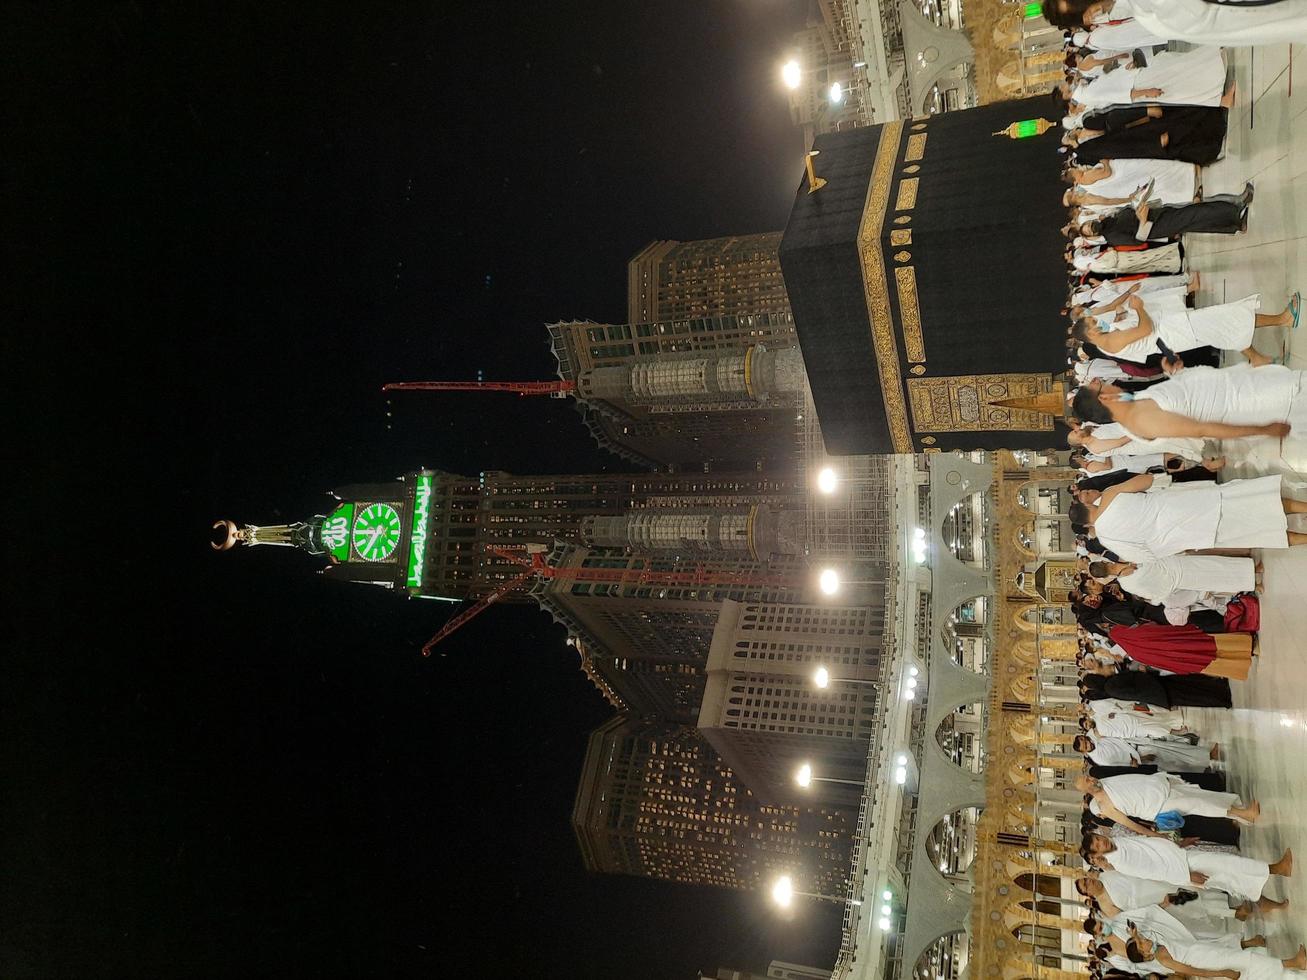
x=695 y=574
x=471 y=612
x=534 y=564
x=556 y=388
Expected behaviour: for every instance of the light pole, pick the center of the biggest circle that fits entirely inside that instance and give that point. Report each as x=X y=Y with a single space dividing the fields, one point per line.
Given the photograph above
x=920 y=546
x=830 y=582
x=804 y=777
x=783 y=892
x=821 y=678
x=829 y=480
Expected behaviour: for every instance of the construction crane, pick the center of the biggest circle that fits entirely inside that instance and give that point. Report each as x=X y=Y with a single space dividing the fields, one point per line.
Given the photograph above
x=536 y=566
x=555 y=389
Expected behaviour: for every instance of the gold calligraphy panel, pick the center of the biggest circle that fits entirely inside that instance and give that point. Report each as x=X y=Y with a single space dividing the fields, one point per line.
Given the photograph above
x=967 y=403
x=916 y=147
x=914 y=345
x=907 y=199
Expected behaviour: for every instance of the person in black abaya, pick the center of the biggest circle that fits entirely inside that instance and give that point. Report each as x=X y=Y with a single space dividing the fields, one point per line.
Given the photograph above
x=1171 y=691
x=1194 y=134
x=1130 y=226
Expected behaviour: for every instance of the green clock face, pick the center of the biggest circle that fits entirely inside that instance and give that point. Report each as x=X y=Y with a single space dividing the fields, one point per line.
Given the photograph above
x=376 y=532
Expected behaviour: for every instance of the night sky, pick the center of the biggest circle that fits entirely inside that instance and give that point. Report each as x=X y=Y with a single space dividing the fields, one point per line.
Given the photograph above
x=225 y=226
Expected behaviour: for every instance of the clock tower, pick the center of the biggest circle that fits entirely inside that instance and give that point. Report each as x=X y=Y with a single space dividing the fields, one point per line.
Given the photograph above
x=376 y=533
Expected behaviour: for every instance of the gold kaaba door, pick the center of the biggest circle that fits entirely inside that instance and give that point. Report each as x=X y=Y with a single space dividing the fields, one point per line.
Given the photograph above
x=984 y=403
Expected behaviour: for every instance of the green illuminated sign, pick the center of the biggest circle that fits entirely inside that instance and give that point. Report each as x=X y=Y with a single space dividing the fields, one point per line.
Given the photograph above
x=335 y=532
x=1034 y=10
x=376 y=532
x=417 y=545
x=1027 y=127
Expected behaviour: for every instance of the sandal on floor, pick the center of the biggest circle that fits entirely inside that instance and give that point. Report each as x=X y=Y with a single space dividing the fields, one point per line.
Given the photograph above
x=1295 y=307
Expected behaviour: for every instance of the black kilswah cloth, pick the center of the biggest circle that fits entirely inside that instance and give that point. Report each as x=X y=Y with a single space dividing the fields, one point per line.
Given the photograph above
x=969 y=238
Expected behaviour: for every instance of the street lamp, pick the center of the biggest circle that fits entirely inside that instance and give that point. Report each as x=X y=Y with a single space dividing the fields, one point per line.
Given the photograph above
x=783 y=892
x=791 y=74
x=827 y=480
x=919 y=545
x=821 y=678
x=829 y=581
x=836 y=93
x=804 y=777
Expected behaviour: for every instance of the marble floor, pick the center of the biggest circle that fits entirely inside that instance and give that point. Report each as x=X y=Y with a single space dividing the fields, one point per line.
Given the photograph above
x=1265 y=737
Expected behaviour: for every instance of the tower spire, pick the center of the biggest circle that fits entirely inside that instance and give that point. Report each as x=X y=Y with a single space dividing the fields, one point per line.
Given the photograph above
x=297 y=535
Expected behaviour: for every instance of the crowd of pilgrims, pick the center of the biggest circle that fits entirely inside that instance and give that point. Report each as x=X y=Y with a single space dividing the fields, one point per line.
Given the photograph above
x=1166 y=593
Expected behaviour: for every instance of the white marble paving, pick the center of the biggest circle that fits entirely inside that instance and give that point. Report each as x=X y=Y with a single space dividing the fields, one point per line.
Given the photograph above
x=1265 y=736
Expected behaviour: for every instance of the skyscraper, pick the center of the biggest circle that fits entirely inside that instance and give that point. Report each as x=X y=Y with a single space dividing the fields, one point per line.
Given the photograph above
x=720 y=392
x=765 y=714
x=656 y=800
x=648 y=633
x=739 y=274
x=429 y=533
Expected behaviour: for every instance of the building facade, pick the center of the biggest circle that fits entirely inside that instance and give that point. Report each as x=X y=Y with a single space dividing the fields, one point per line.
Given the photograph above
x=655 y=800
x=731 y=276
x=718 y=392
x=763 y=711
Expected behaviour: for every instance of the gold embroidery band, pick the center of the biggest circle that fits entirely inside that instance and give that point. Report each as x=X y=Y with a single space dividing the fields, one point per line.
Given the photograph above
x=877 y=288
x=907 y=194
x=910 y=314
x=916 y=147
x=900 y=236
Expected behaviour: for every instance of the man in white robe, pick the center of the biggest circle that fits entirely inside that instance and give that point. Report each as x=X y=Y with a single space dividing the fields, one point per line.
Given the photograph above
x=1194 y=77
x=1215 y=403
x=1155 y=581
x=1114 y=438
x=1160 y=859
x=1195 y=21
x=1199 y=22
x=1214 y=959
x=1145 y=518
x=1132 y=797
x=1138 y=724
x=1158 y=924
x=1168 y=756
x=1210 y=915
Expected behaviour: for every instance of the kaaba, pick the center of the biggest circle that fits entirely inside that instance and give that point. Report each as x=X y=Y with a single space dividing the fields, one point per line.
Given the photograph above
x=926 y=277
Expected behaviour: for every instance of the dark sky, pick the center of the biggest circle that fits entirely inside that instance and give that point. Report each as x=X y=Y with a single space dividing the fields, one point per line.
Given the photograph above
x=225 y=226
